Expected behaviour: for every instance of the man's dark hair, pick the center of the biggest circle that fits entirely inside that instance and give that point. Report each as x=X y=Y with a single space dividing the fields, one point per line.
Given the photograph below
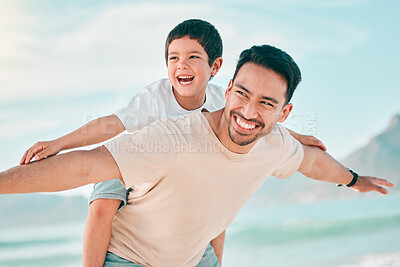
x=273 y=59
x=202 y=31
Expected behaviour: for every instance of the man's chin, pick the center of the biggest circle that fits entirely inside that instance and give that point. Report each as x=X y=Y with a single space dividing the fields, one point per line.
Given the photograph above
x=241 y=140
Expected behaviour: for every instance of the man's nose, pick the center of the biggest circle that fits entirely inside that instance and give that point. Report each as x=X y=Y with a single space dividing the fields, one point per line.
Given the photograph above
x=249 y=110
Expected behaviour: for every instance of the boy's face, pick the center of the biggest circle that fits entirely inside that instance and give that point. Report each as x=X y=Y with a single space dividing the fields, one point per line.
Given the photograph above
x=188 y=70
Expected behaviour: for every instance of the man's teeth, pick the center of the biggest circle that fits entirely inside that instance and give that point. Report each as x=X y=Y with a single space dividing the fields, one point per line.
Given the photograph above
x=244 y=125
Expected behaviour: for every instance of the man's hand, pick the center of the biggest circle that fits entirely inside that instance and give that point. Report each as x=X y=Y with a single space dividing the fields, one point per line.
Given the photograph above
x=368 y=183
x=40 y=150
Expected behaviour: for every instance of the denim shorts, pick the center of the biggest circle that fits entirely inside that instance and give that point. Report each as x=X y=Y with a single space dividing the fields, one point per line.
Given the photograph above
x=208 y=260
x=112 y=189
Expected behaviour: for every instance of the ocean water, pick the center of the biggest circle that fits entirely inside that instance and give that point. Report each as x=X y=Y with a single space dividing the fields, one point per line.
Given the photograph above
x=50 y=245
x=363 y=232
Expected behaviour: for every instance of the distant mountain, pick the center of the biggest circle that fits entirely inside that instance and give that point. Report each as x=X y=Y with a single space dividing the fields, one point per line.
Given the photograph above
x=380 y=158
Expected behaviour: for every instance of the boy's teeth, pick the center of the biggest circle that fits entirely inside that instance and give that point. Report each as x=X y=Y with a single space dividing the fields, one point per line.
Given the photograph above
x=185 y=79
x=244 y=125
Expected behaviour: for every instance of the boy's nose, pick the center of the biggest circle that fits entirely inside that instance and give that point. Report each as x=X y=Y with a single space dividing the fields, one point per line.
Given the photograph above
x=183 y=64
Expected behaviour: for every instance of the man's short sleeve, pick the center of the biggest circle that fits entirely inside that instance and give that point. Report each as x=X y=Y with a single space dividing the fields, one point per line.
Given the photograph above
x=292 y=155
x=143 y=156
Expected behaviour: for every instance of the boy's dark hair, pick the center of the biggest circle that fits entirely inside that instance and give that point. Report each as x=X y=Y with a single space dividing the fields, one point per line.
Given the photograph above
x=202 y=31
x=273 y=59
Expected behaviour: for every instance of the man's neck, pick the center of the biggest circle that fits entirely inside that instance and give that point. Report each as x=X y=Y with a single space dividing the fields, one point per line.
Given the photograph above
x=220 y=128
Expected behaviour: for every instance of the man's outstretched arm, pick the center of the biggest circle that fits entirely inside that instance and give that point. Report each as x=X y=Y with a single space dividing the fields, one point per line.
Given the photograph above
x=319 y=165
x=60 y=172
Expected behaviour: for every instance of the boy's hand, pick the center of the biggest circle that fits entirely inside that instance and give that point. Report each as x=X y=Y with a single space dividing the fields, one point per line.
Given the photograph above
x=40 y=150
x=367 y=183
x=308 y=140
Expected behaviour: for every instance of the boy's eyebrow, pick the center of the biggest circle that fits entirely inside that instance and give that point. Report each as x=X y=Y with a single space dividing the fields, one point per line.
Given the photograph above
x=190 y=52
x=274 y=100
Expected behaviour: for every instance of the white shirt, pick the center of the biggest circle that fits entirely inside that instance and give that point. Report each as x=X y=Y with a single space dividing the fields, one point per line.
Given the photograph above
x=157 y=101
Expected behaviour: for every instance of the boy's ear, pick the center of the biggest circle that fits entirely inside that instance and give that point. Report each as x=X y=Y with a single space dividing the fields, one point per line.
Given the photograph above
x=216 y=66
x=285 y=112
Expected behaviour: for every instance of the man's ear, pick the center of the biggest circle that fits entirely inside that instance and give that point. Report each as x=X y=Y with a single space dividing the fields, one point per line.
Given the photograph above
x=228 y=90
x=216 y=66
x=285 y=112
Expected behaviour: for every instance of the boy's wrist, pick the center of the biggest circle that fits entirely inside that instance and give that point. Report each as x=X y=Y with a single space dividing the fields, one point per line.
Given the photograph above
x=59 y=144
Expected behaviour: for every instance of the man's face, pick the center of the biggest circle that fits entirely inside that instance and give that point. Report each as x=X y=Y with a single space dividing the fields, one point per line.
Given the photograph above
x=188 y=68
x=255 y=102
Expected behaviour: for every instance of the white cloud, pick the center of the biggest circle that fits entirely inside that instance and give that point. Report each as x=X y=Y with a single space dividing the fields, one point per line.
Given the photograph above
x=118 y=47
x=121 y=46
x=311 y=3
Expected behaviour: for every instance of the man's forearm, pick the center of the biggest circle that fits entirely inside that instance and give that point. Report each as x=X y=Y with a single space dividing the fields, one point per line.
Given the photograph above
x=319 y=165
x=61 y=172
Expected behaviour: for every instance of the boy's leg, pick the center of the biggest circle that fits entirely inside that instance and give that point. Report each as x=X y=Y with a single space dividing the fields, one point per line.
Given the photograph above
x=218 y=245
x=97 y=234
x=209 y=258
x=106 y=199
x=113 y=260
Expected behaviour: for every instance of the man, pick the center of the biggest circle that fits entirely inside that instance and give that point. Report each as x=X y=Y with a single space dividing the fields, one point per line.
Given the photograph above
x=202 y=167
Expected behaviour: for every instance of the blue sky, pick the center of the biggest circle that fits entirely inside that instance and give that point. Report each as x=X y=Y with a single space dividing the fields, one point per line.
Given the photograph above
x=63 y=63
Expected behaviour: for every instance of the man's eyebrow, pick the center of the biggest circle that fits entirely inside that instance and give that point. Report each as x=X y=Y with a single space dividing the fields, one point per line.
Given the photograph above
x=270 y=99
x=274 y=100
x=243 y=88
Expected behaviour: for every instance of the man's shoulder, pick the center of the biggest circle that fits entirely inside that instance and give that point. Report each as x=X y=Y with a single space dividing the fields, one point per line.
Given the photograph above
x=183 y=129
x=278 y=134
x=280 y=139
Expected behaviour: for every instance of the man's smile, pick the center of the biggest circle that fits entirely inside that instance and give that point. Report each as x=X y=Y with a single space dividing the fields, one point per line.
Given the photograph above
x=244 y=125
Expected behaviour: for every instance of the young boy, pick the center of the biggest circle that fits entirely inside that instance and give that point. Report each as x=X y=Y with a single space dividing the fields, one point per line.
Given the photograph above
x=193 y=54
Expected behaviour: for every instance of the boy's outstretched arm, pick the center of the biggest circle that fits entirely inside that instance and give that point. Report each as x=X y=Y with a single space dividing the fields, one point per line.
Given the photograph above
x=61 y=172
x=308 y=140
x=93 y=132
x=319 y=165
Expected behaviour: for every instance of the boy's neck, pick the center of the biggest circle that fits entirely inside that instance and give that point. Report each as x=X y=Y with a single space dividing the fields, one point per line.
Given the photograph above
x=190 y=102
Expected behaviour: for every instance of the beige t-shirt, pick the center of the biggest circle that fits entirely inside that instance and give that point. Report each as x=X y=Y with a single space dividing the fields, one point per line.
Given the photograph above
x=198 y=187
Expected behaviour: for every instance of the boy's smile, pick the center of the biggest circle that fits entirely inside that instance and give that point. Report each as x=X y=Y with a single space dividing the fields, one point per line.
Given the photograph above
x=185 y=80
x=189 y=72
